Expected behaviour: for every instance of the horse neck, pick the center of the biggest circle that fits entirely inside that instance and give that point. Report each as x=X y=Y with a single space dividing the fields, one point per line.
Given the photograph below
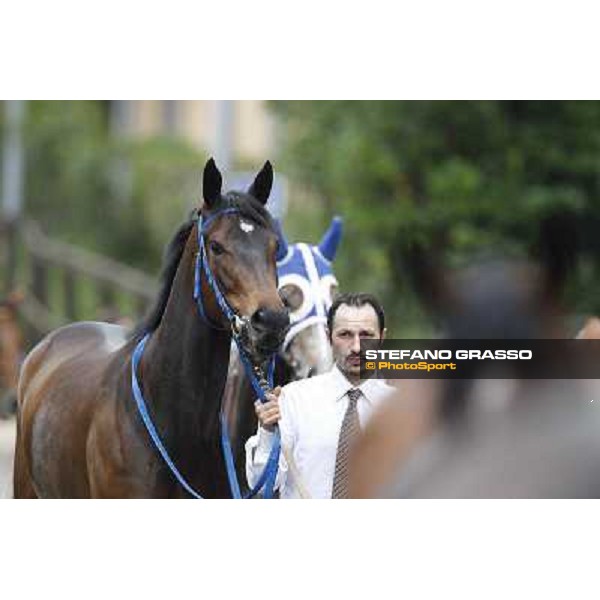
x=184 y=369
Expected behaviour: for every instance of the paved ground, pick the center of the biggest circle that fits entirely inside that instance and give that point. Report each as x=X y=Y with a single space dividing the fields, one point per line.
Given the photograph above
x=7 y=442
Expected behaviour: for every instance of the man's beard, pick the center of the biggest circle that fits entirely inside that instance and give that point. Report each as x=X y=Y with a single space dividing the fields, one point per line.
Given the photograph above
x=346 y=366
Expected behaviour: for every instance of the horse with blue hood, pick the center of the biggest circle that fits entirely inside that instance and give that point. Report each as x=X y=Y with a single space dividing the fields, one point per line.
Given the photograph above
x=307 y=286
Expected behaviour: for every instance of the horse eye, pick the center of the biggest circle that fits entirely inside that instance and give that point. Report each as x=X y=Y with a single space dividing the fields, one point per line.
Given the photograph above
x=216 y=248
x=291 y=296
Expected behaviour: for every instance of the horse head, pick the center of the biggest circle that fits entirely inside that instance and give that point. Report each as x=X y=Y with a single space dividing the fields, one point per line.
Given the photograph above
x=451 y=438
x=238 y=241
x=499 y=297
x=308 y=285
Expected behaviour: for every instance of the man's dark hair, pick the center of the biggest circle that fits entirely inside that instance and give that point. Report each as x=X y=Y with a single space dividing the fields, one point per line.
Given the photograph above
x=356 y=299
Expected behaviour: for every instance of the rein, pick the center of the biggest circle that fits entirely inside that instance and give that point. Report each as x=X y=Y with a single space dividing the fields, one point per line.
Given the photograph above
x=260 y=383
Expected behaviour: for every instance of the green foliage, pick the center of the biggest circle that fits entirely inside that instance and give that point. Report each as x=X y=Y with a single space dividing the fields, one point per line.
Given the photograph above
x=483 y=174
x=119 y=197
x=165 y=186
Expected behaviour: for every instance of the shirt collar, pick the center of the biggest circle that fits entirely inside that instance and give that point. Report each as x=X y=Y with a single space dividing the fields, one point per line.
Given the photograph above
x=342 y=385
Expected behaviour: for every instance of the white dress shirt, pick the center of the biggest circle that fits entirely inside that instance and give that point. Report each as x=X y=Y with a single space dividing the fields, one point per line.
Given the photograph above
x=312 y=411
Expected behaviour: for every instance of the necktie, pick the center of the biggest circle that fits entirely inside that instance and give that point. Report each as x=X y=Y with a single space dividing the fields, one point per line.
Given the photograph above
x=350 y=429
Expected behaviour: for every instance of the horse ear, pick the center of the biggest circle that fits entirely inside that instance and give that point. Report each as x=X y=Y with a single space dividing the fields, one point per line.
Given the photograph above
x=211 y=183
x=261 y=186
x=331 y=240
x=282 y=243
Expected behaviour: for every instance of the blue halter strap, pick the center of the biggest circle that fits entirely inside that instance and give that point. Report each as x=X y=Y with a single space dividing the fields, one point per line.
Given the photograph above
x=202 y=266
x=269 y=474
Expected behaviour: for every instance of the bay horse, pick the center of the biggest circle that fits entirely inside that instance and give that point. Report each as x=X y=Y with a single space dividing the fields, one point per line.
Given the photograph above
x=11 y=350
x=307 y=286
x=488 y=438
x=79 y=432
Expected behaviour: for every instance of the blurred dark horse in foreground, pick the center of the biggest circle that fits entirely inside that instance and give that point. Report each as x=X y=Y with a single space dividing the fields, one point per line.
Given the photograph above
x=307 y=286
x=489 y=438
x=79 y=433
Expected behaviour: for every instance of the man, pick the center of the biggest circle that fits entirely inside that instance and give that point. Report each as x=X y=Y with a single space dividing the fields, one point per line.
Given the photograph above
x=318 y=418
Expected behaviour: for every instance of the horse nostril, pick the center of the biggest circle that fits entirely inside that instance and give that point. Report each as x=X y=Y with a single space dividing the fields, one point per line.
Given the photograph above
x=265 y=318
x=260 y=317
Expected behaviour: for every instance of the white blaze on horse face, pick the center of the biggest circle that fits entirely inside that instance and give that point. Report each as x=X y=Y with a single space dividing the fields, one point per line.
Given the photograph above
x=246 y=227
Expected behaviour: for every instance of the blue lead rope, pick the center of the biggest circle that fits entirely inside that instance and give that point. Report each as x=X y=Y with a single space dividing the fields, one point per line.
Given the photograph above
x=143 y=410
x=267 y=477
x=269 y=474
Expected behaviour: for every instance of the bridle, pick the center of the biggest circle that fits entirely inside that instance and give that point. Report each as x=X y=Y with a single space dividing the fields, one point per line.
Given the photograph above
x=260 y=381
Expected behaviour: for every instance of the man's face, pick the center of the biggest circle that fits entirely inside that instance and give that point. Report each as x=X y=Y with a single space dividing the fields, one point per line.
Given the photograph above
x=350 y=325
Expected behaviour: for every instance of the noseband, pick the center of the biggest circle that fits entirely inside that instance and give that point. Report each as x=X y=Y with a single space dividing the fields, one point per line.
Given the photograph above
x=261 y=383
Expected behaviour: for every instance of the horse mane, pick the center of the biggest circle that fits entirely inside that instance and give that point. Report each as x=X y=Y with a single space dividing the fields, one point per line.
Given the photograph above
x=171 y=260
x=248 y=208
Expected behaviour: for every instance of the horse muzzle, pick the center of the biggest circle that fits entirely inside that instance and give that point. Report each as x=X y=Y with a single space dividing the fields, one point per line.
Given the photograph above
x=266 y=332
